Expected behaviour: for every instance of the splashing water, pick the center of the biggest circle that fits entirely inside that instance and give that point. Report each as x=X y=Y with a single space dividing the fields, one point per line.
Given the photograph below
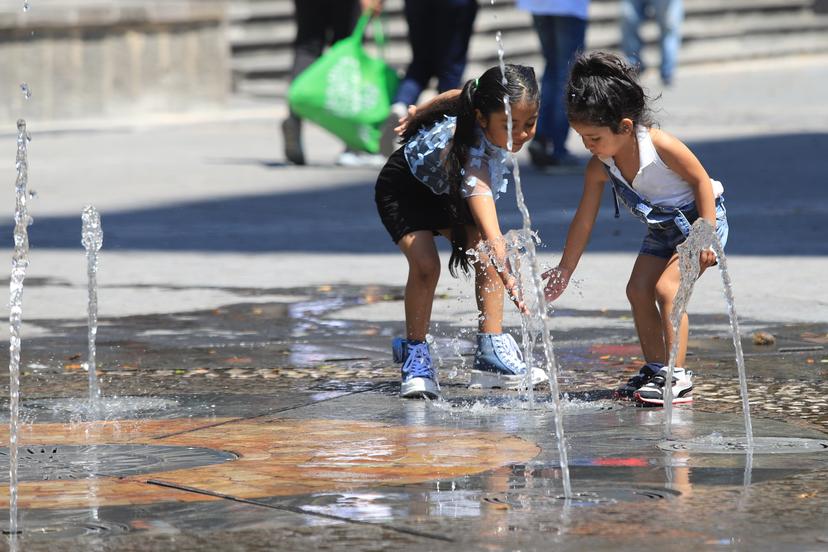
x=27 y=92
x=20 y=262
x=533 y=293
x=26 y=6
x=92 y=239
x=702 y=236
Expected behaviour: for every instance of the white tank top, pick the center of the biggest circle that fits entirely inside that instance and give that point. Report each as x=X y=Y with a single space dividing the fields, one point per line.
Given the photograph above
x=655 y=181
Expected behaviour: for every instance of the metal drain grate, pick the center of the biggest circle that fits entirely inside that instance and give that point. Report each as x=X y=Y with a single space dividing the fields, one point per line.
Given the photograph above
x=738 y=445
x=56 y=462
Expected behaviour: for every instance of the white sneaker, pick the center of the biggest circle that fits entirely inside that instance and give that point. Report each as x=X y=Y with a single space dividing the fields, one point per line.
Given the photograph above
x=350 y=158
x=653 y=392
x=498 y=363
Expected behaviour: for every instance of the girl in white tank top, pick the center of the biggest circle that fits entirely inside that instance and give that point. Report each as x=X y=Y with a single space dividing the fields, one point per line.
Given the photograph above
x=663 y=184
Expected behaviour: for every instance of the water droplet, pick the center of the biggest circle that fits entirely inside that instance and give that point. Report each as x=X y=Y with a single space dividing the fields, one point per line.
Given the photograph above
x=27 y=93
x=26 y=6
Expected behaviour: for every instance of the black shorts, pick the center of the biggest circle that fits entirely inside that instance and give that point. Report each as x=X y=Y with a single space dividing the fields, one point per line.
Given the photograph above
x=407 y=205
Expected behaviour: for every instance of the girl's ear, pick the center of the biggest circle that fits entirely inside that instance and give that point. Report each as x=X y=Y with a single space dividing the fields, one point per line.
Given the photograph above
x=481 y=120
x=627 y=125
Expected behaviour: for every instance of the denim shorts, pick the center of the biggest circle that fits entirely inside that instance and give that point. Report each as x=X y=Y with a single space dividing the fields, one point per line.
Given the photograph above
x=662 y=242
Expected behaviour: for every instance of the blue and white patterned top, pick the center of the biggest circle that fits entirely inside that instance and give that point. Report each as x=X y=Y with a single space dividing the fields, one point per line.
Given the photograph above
x=487 y=168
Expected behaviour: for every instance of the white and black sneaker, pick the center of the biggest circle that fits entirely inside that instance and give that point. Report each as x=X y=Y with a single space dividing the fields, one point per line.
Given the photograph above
x=652 y=394
x=642 y=378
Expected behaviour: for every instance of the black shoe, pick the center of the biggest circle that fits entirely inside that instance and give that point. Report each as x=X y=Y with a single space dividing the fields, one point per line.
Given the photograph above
x=642 y=378
x=292 y=135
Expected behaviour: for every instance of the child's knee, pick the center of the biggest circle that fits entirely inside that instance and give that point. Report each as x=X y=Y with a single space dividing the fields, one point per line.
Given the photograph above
x=665 y=293
x=637 y=292
x=426 y=270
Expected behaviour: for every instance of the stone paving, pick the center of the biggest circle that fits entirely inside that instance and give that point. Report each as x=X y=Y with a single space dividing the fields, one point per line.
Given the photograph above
x=327 y=455
x=249 y=398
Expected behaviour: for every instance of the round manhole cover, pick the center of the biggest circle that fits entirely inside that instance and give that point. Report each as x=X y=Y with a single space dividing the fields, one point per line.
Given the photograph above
x=738 y=445
x=52 y=462
x=57 y=524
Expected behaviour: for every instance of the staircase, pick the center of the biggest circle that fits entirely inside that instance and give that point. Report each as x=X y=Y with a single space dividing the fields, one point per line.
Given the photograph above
x=262 y=32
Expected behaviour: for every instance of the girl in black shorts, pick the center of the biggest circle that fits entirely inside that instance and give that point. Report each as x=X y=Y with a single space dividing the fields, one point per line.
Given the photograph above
x=444 y=181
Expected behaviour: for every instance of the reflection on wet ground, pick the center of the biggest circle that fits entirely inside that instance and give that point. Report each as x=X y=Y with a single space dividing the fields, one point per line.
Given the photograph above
x=296 y=393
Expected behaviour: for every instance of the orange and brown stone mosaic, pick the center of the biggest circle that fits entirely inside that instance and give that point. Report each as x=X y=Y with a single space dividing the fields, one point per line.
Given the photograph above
x=277 y=457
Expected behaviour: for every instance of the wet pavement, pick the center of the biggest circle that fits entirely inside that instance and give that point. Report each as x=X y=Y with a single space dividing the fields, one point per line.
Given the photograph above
x=257 y=426
x=243 y=351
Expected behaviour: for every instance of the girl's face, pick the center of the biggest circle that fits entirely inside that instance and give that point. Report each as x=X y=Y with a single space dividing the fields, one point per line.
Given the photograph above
x=602 y=141
x=524 y=121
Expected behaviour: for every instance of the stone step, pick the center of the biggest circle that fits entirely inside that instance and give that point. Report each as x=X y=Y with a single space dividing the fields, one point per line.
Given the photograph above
x=282 y=10
x=724 y=50
x=272 y=63
x=261 y=35
x=266 y=33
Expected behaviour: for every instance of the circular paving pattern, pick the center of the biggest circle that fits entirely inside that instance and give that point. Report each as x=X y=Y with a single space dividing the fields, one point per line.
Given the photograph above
x=738 y=445
x=275 y=457
x=54 y=462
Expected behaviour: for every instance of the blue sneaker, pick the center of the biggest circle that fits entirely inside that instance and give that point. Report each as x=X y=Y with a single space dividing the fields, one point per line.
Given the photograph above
x=418 y=376
x=498 y=362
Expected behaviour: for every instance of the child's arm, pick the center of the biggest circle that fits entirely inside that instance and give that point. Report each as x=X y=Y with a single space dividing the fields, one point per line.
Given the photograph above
x=681 y=161
x=413 y=110
x=482 y=207
x=579 y=230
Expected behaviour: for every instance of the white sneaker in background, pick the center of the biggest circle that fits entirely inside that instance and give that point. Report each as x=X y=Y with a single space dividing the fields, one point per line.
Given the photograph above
x=350 y=158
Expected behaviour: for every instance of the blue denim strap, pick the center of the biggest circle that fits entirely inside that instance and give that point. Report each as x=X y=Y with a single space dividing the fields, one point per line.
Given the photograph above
x=645 y=211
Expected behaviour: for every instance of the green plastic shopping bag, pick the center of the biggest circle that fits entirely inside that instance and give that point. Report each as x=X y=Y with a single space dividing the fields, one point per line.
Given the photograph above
x=346 y=91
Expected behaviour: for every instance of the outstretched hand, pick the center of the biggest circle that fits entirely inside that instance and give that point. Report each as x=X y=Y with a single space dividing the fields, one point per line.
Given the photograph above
x=516 y=295
x=558 y=279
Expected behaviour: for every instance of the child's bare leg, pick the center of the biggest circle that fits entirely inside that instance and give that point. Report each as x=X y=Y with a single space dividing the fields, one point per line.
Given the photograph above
x=423 y=274
x=641 y=292
x=666 y=289
x=488 y=291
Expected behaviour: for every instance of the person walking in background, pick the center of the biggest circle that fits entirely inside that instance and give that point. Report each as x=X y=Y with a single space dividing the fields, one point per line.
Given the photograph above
x=320 y=23
x=669 y=15
x=561 y=27
x=438 y=33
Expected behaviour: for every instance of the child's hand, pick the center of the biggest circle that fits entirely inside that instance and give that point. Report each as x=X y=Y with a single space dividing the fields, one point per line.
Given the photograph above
x=374 y=6
x=515 y=294
x=707 y=258
x=405 y=119
x=558 y=280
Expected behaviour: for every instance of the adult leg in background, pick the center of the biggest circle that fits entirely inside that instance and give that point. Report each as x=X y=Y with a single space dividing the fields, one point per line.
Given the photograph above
x=632 y=15
x=561 y=38
x=669 y=14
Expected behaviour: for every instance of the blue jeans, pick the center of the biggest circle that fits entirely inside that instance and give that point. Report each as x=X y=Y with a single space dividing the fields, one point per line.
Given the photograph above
x=662 y=242
x=438 y=32
x=669 y=15
x=561 y=38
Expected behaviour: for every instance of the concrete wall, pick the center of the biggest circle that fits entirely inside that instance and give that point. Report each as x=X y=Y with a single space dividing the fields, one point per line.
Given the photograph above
x=111 y=57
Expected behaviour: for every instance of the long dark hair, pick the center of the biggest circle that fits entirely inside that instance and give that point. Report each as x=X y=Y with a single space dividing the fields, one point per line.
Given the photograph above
x=485 y=95
x=602 y=90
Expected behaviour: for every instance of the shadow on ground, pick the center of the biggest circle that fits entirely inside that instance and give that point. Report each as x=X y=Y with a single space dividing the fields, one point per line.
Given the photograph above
x=773 y=206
